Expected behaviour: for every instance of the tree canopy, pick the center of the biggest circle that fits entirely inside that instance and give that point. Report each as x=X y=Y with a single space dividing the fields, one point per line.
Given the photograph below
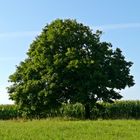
x=67 y=62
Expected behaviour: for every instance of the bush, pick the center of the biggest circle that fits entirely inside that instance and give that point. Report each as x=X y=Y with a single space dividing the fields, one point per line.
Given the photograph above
x=72 y=110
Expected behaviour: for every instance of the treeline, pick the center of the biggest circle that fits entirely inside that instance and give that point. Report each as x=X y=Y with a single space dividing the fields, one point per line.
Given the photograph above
x=117 y=110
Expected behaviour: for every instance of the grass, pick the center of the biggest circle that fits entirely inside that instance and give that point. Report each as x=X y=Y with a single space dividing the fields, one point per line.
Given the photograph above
x=54 y=129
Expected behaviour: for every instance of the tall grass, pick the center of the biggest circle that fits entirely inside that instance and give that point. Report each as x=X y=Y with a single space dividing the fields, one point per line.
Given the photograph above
x=121 y=110
x=117 y=110
x=9 y=112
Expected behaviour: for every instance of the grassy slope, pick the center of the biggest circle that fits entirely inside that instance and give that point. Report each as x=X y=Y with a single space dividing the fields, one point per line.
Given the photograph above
x=70 y=130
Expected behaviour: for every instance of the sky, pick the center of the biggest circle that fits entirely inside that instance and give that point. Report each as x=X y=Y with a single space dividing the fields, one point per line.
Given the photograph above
x=21 y=21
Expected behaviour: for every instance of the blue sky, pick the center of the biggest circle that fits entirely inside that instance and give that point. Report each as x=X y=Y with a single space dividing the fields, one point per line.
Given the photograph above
x=21 y=21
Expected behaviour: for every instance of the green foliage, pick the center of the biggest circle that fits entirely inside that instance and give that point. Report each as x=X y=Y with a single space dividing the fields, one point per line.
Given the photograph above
x=9 y=112
x=121 y=110
x=116 y=110
x=72 y=111
x=68 y=62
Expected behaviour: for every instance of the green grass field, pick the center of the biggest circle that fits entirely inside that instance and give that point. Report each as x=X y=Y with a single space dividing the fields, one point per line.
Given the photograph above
x=55 y=129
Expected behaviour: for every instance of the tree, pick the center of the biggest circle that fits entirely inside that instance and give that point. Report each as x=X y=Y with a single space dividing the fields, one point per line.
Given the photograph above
x=68 y=62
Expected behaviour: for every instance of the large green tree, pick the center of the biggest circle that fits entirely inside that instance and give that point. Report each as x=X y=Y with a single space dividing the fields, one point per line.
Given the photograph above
x=68 y=62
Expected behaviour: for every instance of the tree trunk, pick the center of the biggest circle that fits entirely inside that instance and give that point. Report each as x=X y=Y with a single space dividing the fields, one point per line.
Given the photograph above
x=87 y=111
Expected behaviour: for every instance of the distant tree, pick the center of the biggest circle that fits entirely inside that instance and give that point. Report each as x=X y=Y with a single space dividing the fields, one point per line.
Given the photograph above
x=68 y=62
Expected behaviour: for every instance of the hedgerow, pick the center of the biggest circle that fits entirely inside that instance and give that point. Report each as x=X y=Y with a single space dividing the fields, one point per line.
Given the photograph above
x=116 y=110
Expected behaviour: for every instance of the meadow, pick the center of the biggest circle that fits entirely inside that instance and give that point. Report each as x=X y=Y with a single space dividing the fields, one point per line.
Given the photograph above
x=61 y=129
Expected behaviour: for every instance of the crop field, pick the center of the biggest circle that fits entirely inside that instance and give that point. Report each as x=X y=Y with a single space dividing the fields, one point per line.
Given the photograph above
x=58 y=129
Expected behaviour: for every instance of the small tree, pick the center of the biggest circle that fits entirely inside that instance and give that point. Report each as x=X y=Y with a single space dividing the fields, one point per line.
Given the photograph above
x=68 y=62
